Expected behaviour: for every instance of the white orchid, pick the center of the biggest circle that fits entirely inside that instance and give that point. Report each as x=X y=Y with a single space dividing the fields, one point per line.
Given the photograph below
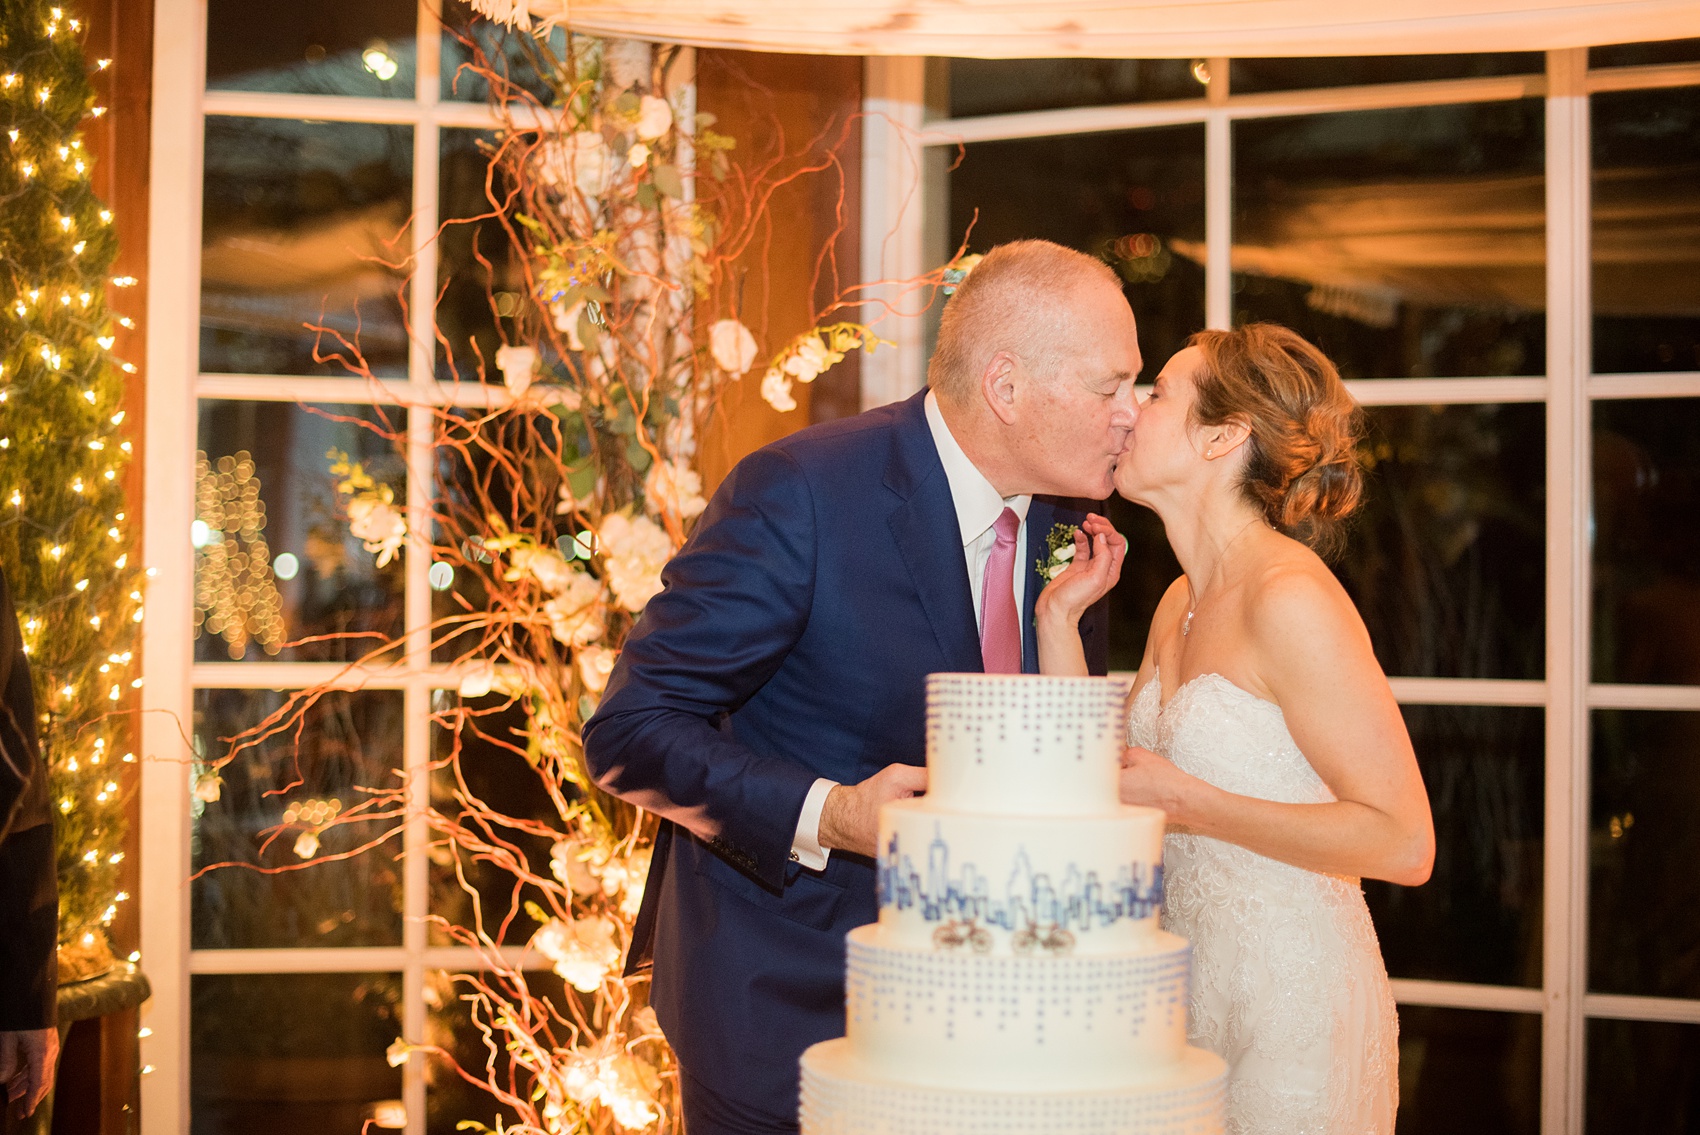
x=547 y=566
x=478 y=680
x=732 y=347
x=208 y=787
x=569 y=862
x=595 y=664
x=518 y=366
x=584 y=950
x=307 y=845
x=638 y=156
x=776 y=388
x=378 y=525
x=809 y=358
x=655 y=118
x=673 y=486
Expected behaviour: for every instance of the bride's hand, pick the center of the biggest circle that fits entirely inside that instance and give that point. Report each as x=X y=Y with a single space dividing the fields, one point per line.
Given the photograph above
x=1098 y=553
x=1155 y=782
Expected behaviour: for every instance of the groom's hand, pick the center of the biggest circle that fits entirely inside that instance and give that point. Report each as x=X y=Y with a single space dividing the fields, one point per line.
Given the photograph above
x=850 y=818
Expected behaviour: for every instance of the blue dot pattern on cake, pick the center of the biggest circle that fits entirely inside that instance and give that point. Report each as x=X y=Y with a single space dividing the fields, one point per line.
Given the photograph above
x=961 y=898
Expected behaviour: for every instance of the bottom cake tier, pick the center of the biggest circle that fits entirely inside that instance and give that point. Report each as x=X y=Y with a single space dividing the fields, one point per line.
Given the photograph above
x=841 y=1096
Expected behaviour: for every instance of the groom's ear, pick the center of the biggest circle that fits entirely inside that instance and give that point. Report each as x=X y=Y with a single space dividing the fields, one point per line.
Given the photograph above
x=997 y=384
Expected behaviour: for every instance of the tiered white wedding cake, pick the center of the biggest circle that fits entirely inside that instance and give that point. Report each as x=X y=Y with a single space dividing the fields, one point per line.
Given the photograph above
x=1016 y=980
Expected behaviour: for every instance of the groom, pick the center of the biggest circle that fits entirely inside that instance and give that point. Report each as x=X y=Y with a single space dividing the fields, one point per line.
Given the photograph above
x=771 y=698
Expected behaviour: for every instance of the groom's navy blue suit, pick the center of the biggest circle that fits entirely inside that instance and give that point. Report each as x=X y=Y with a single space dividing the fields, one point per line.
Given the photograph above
x=792 y=641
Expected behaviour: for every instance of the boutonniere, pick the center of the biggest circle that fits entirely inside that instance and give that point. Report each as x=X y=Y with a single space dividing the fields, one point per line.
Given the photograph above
x=1059 y=548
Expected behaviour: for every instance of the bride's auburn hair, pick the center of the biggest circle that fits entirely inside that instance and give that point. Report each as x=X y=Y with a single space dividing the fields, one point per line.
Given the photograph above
x=1302 y=465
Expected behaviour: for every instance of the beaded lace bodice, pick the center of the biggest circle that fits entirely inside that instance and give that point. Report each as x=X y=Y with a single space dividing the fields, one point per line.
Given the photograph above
x=1288 y=983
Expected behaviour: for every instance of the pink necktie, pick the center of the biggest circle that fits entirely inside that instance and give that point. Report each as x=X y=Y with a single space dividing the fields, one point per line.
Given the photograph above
x=1000 y=626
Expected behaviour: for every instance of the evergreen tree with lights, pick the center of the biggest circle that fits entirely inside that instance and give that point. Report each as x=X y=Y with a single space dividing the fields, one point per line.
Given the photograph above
x=65 y=538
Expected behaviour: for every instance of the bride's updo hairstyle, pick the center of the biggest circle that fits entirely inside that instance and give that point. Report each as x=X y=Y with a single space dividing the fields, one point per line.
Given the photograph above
x=1302 y=465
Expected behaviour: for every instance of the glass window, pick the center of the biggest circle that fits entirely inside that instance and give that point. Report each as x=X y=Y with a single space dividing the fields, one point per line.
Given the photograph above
x=451 y=1103
x=1134 y=199
x=477 y=50
x=1643 y=1078
x=278 y=573
x=320 y=47
x=1644 y=54
x=293 y=1052
x=1478 y=918
x=1646 y=624
x=1644 y=898
x=303 y=226
x=1405 y=243
x=479 y=280
x=281 y=791
x=1646 y=230
x=1468 y=1072
x=1007 y=86
x=1446 y=557
x=1252 y=75
x=493 y=745
x=1147 y=572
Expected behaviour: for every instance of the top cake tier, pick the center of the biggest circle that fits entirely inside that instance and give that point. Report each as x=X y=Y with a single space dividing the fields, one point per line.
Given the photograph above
x=1023 y=744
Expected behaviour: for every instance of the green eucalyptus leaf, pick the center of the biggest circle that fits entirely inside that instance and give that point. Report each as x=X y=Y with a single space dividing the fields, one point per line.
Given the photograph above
x=668 y=181
x=647 y=196
x=637 y=456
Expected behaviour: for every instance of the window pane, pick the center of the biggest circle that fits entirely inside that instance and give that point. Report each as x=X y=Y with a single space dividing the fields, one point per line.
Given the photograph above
x=278 y=574
x=292 y=1052
x=1644 y=896
x=1135 y=199
x=478 y=277
x=1405 y=243
x=1147 y=572
x=492 y=759
x=1479 y=917
x=450 y=1100
x=319 y=47
x=1446 y=558
x=1643 y=54
x=303 y=223
x=473 y=46
x=1646 y=542
x=1468 y=1072
x=1646 y=245
x=1005 y=86
x=1251 y=75
x=1643 y=1078
x=283 y=789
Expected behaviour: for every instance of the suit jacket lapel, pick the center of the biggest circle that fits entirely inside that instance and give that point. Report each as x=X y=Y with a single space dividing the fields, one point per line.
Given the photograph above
x=928 y=537
x=1041 y=515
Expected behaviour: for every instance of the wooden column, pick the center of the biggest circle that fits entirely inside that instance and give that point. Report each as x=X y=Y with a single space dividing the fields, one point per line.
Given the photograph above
x=766 y=102
x=97 y=1089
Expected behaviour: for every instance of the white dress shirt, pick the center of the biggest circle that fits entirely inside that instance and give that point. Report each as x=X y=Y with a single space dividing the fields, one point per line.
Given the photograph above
x=978 y=507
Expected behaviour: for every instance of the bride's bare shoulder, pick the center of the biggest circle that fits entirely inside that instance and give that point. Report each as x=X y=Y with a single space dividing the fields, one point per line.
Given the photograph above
x=1294 y=598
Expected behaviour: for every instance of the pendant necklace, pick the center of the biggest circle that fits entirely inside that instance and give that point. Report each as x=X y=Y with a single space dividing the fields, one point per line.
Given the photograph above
x=1186 y=624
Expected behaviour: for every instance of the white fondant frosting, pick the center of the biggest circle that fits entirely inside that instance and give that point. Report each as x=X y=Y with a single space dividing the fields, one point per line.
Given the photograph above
x=1017 y=1023
x=1016 y=981
x=1019 y=745
x=842 y=1096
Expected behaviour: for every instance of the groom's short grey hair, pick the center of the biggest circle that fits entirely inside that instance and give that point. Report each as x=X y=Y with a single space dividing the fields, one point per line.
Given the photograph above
x=1015 y=300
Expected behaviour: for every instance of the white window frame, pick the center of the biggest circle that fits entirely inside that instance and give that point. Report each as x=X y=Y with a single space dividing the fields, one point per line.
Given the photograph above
x=898 y=140
x=895 y=231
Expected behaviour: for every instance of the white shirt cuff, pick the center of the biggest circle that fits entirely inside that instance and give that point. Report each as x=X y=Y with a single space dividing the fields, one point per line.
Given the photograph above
x=806 y=848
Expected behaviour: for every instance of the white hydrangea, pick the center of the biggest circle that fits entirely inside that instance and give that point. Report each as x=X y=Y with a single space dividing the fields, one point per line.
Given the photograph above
x=583 y=950
x=634 y=551
x=673 y=486
x=379 y=526
x=595 y=664
x=575 y=614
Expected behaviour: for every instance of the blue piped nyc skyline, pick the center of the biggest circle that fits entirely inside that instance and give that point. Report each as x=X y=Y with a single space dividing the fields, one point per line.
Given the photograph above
x=1081 y=902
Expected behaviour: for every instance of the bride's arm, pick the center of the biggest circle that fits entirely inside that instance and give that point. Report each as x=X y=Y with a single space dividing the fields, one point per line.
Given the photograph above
x=1314 y=655
x=1097 y=564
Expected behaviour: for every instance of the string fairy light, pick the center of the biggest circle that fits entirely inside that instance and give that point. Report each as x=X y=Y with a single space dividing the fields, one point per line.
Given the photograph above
x=79 y=611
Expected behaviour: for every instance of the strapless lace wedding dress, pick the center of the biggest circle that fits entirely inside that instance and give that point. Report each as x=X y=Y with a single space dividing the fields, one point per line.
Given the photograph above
x=1288 y=985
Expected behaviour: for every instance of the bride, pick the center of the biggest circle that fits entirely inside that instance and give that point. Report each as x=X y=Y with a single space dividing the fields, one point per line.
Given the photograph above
x=1261 y=723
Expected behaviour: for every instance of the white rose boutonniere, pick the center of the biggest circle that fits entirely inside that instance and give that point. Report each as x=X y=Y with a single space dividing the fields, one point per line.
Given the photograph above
x=1059 y=547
